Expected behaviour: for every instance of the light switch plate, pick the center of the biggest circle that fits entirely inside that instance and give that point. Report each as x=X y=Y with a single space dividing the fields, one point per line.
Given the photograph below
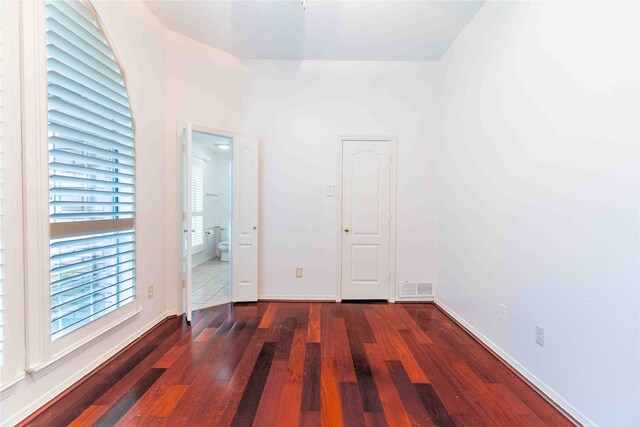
x=540 y=335
x=331 y=191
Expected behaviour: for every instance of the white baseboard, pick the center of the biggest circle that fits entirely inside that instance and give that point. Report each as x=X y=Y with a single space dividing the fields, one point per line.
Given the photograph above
x=331 y=298
x=421 y=299
x=298 y=297
x=544 y=388
x=68 y=382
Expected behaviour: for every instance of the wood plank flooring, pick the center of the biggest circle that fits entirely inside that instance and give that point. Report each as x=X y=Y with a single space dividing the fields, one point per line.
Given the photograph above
x=304 y=364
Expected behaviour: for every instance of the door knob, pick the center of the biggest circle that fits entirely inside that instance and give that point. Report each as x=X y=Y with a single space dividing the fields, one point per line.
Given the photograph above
x=347 y=229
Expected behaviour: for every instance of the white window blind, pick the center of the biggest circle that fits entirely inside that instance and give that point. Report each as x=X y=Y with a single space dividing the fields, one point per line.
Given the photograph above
x=197 y=206
x=91 y=172
x=2 y=313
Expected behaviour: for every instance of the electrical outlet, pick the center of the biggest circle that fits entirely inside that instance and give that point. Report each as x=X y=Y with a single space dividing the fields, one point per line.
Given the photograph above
x=150 y=291
x=331 y=191
x=299 y=273
x=503 y=312
x=540 y=336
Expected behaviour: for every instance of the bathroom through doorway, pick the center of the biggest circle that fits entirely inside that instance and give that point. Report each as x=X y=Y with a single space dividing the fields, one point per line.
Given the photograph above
x=211 y=219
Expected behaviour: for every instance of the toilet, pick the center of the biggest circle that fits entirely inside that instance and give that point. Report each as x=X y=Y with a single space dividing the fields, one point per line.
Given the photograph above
x=224 y=244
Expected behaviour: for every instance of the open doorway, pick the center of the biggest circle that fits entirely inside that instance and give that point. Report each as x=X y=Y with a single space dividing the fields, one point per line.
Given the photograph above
x=210 y=219
x=219 y=217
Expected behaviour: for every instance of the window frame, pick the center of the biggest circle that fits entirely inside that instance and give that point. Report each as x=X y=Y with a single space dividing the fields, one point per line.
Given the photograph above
x=44 y=352
x=12 y=370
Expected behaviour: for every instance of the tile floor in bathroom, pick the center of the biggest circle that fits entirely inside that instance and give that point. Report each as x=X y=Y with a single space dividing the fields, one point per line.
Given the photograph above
x=210 y=284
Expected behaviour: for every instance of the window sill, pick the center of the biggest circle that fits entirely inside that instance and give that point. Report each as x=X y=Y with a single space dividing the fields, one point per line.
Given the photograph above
x=7 y=387
x=43 y=368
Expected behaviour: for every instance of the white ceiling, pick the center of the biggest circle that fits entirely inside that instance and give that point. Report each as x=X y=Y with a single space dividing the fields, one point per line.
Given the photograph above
x=362 y=30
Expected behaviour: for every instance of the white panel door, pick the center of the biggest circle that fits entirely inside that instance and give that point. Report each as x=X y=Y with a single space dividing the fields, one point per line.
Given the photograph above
x=244 y=240
x=187 y=221
x=365 y=219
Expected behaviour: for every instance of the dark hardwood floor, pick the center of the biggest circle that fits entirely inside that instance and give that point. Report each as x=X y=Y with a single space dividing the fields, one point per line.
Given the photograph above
x=307 y=364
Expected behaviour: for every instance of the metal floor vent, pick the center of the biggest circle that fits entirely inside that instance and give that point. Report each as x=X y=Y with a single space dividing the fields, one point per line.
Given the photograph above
x=408 y=289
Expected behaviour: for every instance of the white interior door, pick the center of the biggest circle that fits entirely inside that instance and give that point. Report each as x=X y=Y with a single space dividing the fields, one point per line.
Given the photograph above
x=244 y=240
x=187 y=221
x=366 y=219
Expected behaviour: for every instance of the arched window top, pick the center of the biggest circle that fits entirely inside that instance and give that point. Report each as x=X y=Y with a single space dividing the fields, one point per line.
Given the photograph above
x=80 y=56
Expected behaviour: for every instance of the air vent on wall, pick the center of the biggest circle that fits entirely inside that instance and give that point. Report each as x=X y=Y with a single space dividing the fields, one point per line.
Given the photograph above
x=408 y=289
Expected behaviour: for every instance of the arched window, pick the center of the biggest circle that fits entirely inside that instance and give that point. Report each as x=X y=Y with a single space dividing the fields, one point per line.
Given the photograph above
x=91 y=171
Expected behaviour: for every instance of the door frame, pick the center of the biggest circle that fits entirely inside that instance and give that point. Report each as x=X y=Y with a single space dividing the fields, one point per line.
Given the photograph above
x=195 y=127
x=393 y=150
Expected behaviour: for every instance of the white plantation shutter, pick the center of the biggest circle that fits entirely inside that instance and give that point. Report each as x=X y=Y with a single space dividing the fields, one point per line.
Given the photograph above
x=91 y=172
x=197 y=207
